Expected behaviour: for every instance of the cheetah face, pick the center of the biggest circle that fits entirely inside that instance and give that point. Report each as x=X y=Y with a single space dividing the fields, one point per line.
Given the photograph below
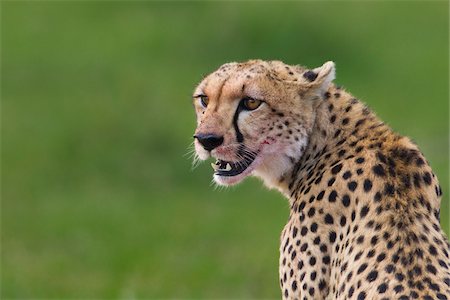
x=255 y=117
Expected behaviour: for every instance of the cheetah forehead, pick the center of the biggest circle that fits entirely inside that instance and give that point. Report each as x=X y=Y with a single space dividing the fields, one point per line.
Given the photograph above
x=252 y=73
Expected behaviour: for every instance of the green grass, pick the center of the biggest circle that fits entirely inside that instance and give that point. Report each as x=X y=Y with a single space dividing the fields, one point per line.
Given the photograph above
x=98 y=200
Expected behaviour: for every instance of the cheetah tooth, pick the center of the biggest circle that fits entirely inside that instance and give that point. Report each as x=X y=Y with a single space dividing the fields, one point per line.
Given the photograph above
x=228 y=167
x=215 y=166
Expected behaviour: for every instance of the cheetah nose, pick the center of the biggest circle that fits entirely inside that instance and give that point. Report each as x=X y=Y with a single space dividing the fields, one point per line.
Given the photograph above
x=209 y=141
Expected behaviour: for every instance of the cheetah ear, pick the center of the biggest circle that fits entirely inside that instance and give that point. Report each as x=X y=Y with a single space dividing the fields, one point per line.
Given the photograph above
x=318 y=80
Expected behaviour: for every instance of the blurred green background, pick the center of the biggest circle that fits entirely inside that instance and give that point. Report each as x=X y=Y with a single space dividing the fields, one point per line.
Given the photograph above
x=98 y=199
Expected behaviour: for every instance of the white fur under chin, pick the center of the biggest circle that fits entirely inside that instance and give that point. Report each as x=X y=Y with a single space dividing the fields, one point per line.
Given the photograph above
x=277 y=165
x=272 y=169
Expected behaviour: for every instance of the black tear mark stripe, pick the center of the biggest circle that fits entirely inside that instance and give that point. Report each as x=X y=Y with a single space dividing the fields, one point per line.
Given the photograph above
x=239 y=136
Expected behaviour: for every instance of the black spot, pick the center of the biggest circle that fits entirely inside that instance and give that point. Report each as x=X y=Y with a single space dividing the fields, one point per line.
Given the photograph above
x=382 y=288
x=362 y=268
x=304 y=231
x=433 y=250
x=341 y=152
x=333 y=118
x=343 y=221
x=345 y=121
x=322 y=284
x=378 y=170
x=427 y=178
x=398 y=288
x=330 y=107
x=328 y=219
x=367 y=185
x=419 y=162
x=416 y=179
x=431 y=269
x=359 y=160
x=332 y=196
x=351 y=291
x=336 y=169
x=332 y=236
x=442 y=263
x=364 y=211
x=377 y=197
x=346 y=200
x=352 y=185
x=320 y=195
x=381 y=157
x=381 y=257
x=336 y=134
x=372 y=276
x=310 y=75
x=301 y=206
x=303 y=247
x=294 y=285
x=374 y=240
x=293 y=255
x=399 y=277
x=347 y=175
x=331 y=181
x=362 y=295
x=441 y=296
x=313 y=227
x=389 y=189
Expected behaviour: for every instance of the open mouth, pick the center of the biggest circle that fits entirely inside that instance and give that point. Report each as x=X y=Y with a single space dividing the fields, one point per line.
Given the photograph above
x=227 y=168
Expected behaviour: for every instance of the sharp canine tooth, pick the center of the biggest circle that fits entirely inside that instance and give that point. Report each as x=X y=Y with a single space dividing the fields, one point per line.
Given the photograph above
x=214 y=166
x=228 y=167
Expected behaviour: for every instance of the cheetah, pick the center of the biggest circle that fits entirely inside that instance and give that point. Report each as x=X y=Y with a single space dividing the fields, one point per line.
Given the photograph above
x=364 y=202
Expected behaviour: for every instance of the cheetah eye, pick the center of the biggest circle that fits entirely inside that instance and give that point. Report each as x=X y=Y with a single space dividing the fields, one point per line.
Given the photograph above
x=204 y=100
x=251 y=104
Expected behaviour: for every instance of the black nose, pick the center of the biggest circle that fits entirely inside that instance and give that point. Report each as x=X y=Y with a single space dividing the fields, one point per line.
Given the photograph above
x=209 y=141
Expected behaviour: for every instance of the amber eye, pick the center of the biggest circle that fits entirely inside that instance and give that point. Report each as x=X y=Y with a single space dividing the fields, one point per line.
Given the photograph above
x=251 y=104
x=204 y=100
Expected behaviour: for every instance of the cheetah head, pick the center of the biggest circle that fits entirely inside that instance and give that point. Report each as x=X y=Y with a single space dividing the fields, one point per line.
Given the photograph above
x=255 y=117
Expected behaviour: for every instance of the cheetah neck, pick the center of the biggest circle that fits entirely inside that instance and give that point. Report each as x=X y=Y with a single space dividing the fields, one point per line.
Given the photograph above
x=337 y=115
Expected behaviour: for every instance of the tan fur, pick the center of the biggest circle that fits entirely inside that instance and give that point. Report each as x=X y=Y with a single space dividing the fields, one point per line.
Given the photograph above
x=364 y=202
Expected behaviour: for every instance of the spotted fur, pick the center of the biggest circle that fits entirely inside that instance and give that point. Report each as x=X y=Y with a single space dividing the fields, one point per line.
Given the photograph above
x=364 y=202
